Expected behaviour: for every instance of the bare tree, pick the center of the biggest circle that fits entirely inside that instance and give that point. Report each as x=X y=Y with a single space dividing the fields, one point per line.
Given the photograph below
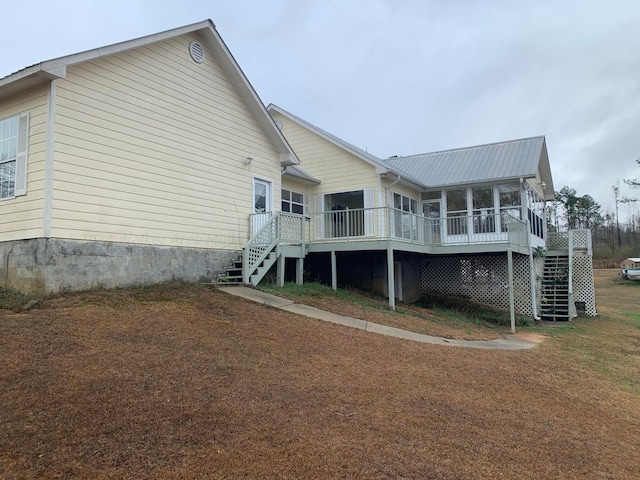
x=633 y=182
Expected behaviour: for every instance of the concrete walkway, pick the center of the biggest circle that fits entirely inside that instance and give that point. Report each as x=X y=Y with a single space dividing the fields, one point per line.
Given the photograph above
x=509 y=342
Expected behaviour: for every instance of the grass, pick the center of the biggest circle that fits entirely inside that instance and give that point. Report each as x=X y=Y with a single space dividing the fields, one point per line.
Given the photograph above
x=182 y=381
x=432 y=314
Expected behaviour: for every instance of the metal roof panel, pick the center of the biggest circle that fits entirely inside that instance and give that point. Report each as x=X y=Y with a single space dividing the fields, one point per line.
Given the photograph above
x=481 y=163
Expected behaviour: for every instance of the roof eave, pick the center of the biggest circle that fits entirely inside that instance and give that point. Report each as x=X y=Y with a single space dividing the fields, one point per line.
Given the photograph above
x=56 y=68
x=29 y=78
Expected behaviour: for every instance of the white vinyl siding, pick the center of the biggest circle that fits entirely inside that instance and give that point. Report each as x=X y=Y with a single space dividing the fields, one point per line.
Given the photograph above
x=151 y=148
x=21 y=216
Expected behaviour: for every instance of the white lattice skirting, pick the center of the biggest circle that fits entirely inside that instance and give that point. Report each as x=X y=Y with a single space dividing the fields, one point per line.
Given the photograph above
x=485 y=279
x=480 y=278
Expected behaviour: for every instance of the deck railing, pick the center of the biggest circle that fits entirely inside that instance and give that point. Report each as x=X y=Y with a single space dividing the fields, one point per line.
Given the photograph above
x=384 y=223
x=573 y=240
x=390 y=223
x=272 y=230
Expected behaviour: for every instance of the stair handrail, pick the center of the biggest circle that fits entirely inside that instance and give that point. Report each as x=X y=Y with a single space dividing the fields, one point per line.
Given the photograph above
x=262 y=243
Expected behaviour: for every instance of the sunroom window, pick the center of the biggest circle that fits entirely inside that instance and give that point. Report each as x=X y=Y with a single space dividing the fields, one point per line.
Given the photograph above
x=483 y=210
x=457 y=211
x=510 y=203
x=406 y=222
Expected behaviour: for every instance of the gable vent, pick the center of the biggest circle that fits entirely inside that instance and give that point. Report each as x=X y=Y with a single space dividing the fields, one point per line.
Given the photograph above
x=197 y=52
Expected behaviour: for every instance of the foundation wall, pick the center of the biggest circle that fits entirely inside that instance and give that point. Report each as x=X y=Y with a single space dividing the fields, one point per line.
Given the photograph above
x=48 y=266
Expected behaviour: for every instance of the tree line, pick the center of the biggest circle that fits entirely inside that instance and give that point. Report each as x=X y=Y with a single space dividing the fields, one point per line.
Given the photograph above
x=612 y=239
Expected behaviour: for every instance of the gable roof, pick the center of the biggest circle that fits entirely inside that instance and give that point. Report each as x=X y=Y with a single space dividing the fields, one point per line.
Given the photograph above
x=56 y=68
x=380 y=166
x=510 y=160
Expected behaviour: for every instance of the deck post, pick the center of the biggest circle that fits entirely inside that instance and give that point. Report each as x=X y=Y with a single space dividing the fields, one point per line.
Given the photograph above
x=280 y=270
x=334 y=273
x=391 y=281
x=299 y=271
x=512 y=308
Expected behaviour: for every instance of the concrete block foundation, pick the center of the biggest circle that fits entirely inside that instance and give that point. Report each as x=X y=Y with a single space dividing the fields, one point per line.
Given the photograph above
x=45 y=266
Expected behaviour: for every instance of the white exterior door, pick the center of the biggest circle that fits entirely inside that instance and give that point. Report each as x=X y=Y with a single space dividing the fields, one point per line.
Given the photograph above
x=262 y=203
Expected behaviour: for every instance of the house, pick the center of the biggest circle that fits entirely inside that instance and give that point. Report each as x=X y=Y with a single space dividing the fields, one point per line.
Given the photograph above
x=630 y=263
x=468 y=222
x=154 y=159
x=133 y=163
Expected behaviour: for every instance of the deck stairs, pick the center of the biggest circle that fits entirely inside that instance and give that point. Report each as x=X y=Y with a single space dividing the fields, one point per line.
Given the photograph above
x=280 y=236
x=232 y=273
x=555 y=304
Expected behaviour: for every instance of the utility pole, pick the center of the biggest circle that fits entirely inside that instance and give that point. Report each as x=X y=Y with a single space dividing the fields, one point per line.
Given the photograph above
x=616 y=193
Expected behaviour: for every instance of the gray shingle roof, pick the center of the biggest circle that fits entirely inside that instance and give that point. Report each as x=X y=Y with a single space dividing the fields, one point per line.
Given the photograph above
x=502 y=160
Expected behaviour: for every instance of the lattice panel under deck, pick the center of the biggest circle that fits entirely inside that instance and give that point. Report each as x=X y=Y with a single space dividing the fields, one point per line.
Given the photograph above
x=583 y=289
x=481 y=278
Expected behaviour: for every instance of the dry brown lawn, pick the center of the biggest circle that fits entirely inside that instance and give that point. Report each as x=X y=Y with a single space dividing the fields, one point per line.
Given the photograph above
x=187 y=382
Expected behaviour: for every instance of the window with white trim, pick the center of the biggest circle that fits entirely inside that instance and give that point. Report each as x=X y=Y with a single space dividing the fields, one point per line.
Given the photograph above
x=292 y=202
x=457 y=211
x=483 y=212
x=510 y=203
x=13 y=156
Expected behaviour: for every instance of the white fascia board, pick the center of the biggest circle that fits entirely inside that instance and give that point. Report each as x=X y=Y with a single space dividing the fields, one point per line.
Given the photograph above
x=120 y=47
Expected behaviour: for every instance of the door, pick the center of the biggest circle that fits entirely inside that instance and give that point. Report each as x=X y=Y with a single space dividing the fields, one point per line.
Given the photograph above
x=262 y=203
x=431 y=212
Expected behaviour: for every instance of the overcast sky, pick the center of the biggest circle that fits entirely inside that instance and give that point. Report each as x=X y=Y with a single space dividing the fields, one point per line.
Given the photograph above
x=400 y=77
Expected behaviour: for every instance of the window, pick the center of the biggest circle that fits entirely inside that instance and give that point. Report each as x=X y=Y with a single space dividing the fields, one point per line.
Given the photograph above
x=509 y=203
x=13 y=156
x=344 y=214
x=406 y=224
x=435 y=195
x=292 y=202
x=535 y=206
x=457 y=211
x=483 y=210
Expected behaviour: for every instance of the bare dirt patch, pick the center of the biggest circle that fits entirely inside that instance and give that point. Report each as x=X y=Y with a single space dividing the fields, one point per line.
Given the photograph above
x=187 y=382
